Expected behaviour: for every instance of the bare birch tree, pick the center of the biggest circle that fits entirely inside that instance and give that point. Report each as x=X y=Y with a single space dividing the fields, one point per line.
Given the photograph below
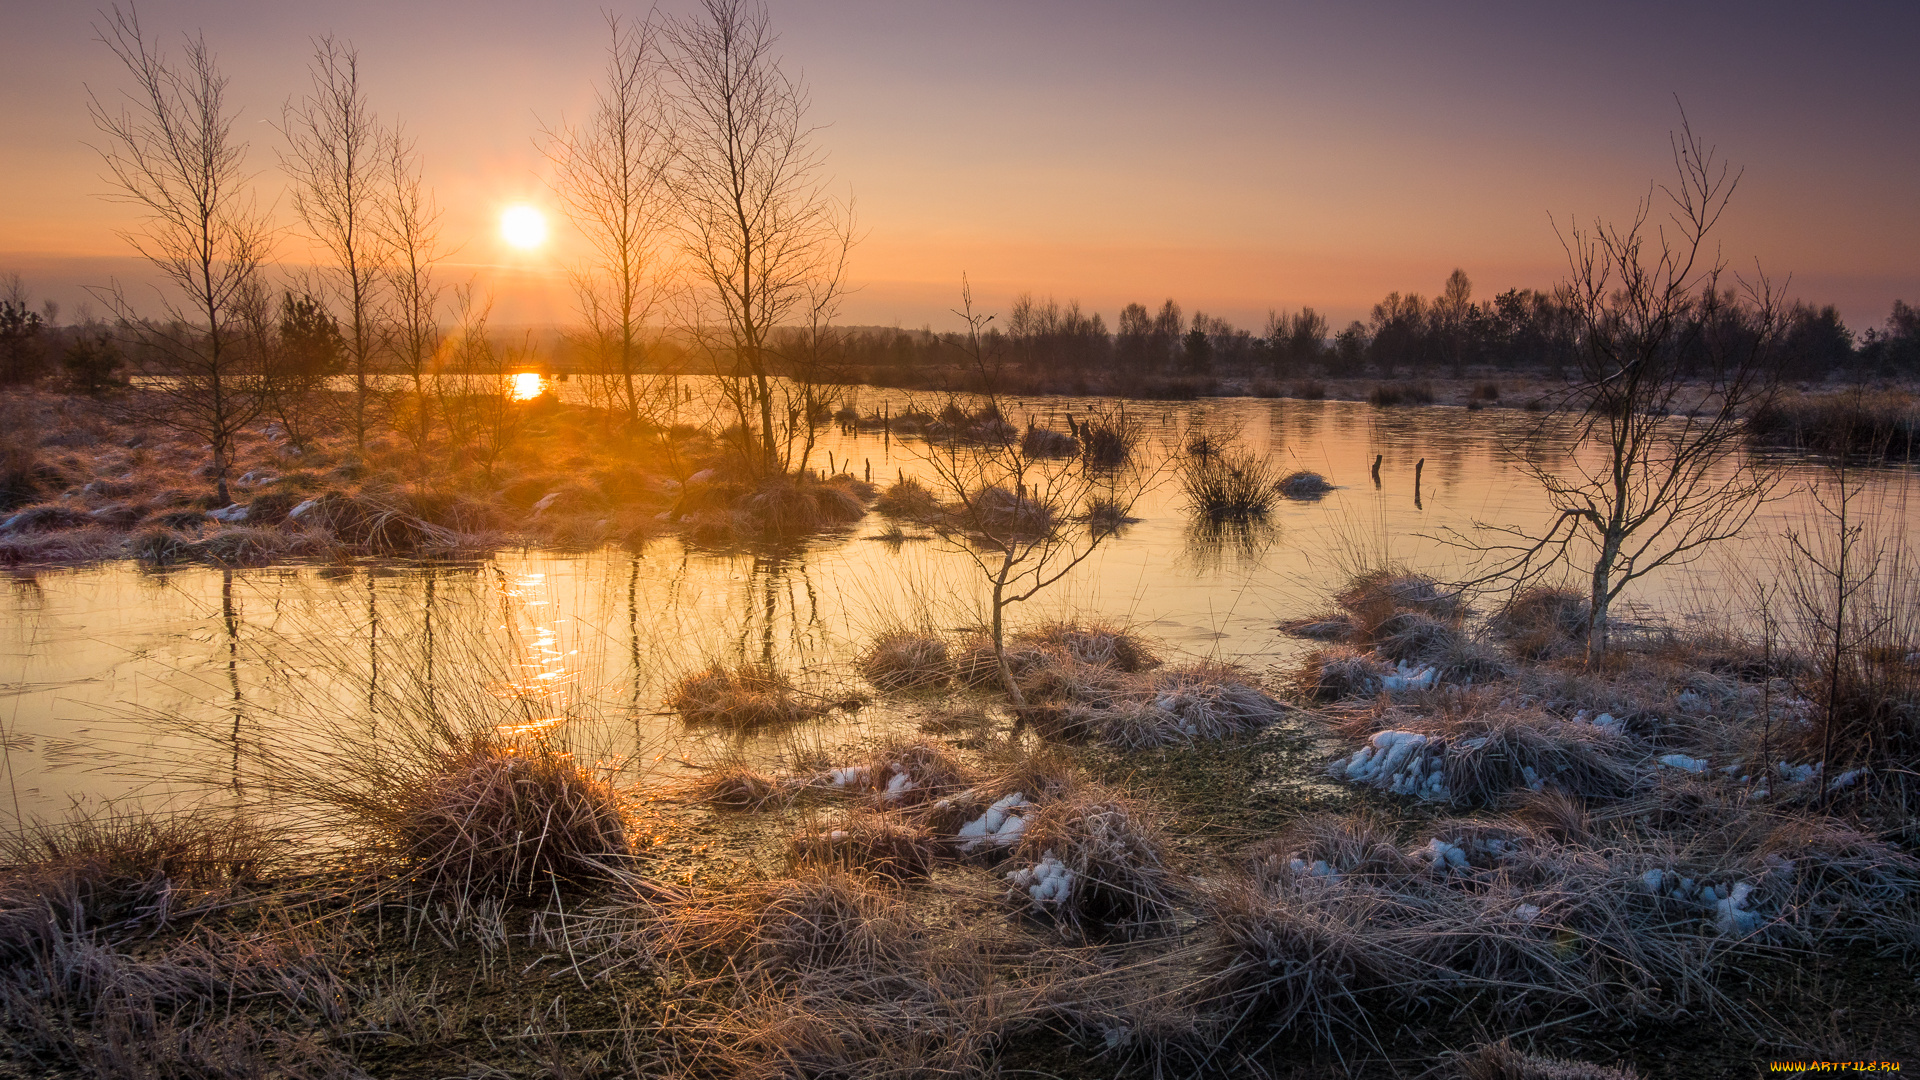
x=171 y=152
x=757 y=225
x=1653 y=468
x=334 y=158
x=610 y=175
x=410 y=223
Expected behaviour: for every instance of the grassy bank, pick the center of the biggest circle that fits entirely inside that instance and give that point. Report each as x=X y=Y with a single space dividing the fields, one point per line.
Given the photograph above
x=82 y=480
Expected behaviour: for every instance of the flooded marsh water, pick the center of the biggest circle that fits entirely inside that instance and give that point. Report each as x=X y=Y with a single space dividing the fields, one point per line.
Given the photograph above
x=122 y=681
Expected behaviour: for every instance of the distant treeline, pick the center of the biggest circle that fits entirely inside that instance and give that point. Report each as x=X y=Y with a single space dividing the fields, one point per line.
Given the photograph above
x=1042 y=344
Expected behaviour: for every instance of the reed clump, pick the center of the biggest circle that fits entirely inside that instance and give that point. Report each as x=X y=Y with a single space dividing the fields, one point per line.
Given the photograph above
x=1109 y=437
x=1230 y=485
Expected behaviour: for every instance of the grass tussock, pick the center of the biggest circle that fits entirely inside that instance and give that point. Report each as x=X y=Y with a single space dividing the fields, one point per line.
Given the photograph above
x=1042 y=442
x=737 y=787
x=1103 y=644
x=120 y=868
x=740 y=696
x=1542 y=622
x=1109 y=438
x=1303 y=485
x=869 y=842
x=907 y=660
x=1095 y=862
x=1372 y=595
x=1229 y=485
x=909 y=500
x=498 y=819
x=1340 y=673
x=801 y=505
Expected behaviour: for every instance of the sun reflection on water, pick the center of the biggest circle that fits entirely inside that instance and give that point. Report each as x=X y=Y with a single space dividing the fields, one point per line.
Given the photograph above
x=528 y=385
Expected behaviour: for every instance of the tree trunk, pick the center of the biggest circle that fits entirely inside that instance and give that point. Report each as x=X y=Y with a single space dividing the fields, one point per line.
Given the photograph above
x=1598 y=603
x=1007 y=680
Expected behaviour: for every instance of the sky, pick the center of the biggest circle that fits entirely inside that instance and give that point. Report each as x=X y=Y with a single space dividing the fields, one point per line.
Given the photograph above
x=1234 y=156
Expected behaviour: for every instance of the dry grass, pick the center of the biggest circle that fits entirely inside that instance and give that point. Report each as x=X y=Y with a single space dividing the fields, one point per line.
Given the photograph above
x=740 y=697
x=1542 y=622
x=802 y=505
x=867 y=841
x=1229 y=486
x=907 y=660
x=908 y=499
x=1500 y=1061
x=498 y=819
x=1109 y=437
x=736 y=786
x=1372 y=595
x=1339 y=673
x=1102 y=644
x=1120 y=881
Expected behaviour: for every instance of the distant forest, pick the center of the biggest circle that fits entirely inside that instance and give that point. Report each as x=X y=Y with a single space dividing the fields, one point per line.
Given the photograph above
x=1041 y=344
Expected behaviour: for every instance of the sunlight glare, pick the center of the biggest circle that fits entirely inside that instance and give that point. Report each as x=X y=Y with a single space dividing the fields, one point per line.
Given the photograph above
x=527 y=385
x=523 y=227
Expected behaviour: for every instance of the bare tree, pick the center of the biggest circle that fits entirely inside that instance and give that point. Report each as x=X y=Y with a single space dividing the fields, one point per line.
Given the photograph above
x=335 y=162
x=1024 y=521
x=171 y=152
x=757 y=225
x=410 y=223
x=610 y=174
x=1653 y=468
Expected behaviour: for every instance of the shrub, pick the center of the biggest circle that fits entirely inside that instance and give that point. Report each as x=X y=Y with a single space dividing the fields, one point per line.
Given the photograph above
x=1485 y=391
x=1310 y=390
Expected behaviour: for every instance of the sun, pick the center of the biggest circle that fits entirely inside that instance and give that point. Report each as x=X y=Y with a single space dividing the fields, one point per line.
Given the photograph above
x=523 y=227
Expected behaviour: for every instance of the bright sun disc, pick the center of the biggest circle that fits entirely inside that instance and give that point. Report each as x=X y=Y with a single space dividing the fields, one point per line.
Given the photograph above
x=523 y=227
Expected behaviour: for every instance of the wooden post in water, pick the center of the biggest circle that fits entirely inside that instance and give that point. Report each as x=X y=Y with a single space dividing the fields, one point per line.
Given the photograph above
x=869 y=470
x=1417 y=467
x=1376 y=470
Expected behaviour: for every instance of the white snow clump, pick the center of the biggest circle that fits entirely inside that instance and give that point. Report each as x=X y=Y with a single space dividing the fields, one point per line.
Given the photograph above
x=1000 y=826
x=1401 y=762
x=1049 y=881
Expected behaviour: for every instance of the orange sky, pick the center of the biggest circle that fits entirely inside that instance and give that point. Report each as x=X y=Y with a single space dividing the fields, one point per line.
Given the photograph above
x=1234 y=156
